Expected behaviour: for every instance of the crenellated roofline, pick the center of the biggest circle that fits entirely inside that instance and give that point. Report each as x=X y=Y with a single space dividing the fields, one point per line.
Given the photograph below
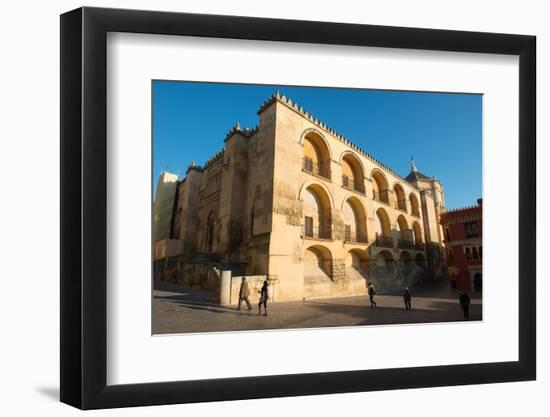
x=277 y=97
x=287 y=102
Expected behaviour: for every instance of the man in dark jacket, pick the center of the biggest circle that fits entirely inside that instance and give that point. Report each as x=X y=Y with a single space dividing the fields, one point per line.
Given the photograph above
x=465 y=304
x=407 y=298
x=372 y=292
x=244 y=292
x=264 y=296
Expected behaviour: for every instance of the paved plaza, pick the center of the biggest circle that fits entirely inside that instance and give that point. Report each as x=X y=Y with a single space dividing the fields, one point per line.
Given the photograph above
x=186 y=310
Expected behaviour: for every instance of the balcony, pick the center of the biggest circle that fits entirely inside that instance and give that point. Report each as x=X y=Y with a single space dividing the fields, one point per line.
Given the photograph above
x=405 y=244
x=316 y=233
x=419 y=246
x=401 y=205
x=311 y=167
x=351 y=184
x=381 y=196
x=355 y=237
x=384 y=242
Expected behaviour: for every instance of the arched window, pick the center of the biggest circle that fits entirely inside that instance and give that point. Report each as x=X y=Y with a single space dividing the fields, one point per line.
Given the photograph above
x=405 y=238
x=353 y=177
x=380 y=187
x=415 y=209
x=355 y=221
x=209 y=233
x=383 y=229
x=317 y=213
x=468 y=253
x=400 y=200
x=417 y=234
x=316 y=157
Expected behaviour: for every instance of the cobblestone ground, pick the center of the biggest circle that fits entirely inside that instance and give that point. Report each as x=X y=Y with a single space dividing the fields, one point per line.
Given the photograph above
x=184 y=310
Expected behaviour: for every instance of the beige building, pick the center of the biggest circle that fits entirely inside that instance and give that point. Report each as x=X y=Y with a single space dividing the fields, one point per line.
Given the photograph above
x=163 y=206
x=294 y=202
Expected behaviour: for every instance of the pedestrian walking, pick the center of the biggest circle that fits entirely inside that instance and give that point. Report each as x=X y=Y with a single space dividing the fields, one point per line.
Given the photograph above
x=372 y=292
x=407 y=298
x=464 y=299
x=264 y=296
x=244 y=293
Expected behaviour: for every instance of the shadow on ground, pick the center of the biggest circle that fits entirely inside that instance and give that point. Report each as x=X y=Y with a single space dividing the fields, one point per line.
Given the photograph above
x=187 y=310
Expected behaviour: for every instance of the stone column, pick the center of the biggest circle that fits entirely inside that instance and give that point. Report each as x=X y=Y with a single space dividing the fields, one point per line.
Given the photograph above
x=225 y=288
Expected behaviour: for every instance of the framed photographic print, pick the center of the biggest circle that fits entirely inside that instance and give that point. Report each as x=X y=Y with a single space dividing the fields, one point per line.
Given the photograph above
x=257 y=208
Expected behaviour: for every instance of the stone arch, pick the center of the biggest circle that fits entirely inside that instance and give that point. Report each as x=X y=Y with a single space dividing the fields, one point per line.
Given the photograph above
x=403 y=228
x=384 y=262
x=415 y=207
x=417 y=233
x=400 y=198
x=383 y=229
x=316 y=184
x=357 y=258
x=317 y=261
x=355 y=220
x=353 y=172
x=357 y=264
x=209 y=232
x=379 y=186
x=420 y=261
x=405 y=262
x=317 y=211
x=316 y=153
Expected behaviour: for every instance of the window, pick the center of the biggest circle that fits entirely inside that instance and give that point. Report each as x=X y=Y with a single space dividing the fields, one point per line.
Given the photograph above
x=308 y=164
x=447 y=235
x=450 y=255
x=468 y=253
x=480 y=253
x=347 y=233
x=475 y=254
x=471 y=229
x=309 y=226
x=345 y=181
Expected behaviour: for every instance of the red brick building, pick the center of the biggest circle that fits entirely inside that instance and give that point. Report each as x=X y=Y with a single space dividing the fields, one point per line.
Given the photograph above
x=463 y=230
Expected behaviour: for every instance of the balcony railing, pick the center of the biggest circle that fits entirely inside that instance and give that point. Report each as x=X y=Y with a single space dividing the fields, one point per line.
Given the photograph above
x=401 y=205
x=384 y=242
x=381 y=196
x=316 y=232
x=356 y=237
x=351 y=184
x=405 y=244
x=419 y=246
x=322 y=170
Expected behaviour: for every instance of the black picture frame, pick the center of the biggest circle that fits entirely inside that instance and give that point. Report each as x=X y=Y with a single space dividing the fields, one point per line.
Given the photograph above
x=84 y=207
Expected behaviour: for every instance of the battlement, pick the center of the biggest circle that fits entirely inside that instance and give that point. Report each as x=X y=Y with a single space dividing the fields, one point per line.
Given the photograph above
x=277 y=97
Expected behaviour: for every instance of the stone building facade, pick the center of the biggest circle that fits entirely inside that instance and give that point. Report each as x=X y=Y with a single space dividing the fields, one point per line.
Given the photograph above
x=295 y=202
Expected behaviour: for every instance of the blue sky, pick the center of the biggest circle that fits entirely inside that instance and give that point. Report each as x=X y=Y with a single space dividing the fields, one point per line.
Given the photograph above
x=442 y=131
